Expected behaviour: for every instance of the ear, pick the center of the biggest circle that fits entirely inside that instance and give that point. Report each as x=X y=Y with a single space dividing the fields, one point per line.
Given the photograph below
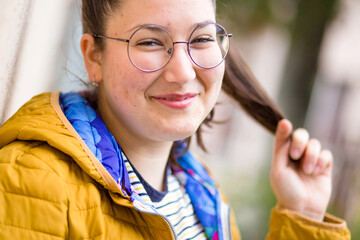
x=92 y=58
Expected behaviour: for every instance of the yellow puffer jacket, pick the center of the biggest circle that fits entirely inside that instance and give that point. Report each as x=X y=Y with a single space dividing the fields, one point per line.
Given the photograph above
x=53 y=187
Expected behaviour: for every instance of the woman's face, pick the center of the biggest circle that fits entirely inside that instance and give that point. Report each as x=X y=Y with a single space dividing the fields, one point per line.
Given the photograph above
x=168 y=104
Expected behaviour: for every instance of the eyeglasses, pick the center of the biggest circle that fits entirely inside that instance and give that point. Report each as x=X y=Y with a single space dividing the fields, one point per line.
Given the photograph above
x=151 y=47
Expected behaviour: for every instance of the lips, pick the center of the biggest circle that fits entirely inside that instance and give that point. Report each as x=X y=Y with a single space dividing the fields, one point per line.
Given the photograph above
x=177 y=101
x=176 y=97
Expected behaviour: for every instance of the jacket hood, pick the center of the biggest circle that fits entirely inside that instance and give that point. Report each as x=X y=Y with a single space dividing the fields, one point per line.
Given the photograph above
x=42 y=119
x=53 y=118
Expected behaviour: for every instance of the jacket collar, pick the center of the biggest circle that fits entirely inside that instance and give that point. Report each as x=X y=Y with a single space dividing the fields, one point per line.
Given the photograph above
x=43 y=119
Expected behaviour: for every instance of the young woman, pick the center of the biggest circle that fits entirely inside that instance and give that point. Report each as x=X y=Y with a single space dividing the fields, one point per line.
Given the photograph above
x=114 y=163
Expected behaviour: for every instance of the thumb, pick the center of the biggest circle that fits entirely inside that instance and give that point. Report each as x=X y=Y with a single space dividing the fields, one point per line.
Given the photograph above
x=282 y=143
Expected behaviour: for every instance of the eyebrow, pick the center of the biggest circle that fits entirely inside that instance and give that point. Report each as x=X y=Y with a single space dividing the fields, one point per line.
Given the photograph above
x=165 y=27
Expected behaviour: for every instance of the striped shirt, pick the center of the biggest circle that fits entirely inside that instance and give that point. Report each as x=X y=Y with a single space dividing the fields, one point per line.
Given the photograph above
x=175 y=204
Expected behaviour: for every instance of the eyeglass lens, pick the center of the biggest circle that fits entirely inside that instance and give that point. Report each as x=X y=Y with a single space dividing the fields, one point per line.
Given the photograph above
x=151 y=47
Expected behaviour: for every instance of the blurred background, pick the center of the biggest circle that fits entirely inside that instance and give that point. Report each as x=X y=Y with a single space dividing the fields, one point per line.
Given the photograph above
x=305 y=53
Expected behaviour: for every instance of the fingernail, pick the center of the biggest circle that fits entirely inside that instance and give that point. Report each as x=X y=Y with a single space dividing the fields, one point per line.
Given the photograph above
x=317 y=169
x=295 y=154
x=308 y=168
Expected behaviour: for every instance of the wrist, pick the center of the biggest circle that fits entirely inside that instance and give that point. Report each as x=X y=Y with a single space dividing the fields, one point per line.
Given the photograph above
x=313 y=215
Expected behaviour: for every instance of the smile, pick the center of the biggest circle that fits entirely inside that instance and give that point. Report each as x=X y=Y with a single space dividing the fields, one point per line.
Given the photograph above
x=177 y=101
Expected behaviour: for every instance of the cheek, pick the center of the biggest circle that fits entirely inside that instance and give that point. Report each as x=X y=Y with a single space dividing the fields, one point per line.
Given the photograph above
x=127 y=87
x=120 y=80
x=213 y=78
x=212 y=82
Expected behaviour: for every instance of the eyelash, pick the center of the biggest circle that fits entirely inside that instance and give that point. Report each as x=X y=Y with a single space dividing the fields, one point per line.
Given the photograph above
x=203 y=39
x=149 y=43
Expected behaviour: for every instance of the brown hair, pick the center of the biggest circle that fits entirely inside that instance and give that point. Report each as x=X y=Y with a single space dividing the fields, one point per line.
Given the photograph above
x=94 y=16
x=239 y=82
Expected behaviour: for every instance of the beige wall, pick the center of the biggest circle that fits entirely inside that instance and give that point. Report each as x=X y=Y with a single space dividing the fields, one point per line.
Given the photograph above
x=29 y=49
x=12 y=25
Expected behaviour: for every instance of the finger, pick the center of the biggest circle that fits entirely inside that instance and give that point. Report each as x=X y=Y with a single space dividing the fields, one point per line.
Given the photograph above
x=300 y=138
x=324 y=164
x=311 y=156
x=282 y=143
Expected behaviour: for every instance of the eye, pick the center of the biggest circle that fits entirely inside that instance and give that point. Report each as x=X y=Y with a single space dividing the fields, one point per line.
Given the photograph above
x=149 y=43
x=203 y=39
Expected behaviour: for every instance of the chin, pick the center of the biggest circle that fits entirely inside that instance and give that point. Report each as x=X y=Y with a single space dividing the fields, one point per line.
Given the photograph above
x=175 y=130
x=178 y=135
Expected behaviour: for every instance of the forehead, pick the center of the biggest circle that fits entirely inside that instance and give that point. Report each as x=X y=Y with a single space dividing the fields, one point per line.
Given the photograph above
x=172 y=14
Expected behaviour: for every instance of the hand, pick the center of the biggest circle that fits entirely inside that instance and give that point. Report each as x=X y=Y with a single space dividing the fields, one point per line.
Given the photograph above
x=304 y=183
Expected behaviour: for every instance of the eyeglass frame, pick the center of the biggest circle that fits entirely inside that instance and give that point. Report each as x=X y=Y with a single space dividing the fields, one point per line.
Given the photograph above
x=229 y=35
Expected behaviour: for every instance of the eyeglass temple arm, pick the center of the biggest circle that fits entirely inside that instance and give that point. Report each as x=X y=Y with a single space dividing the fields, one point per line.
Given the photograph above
x=226 y=35
x=117 y=39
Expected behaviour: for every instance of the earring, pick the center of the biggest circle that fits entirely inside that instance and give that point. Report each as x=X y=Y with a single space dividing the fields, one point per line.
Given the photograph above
x=93 y=82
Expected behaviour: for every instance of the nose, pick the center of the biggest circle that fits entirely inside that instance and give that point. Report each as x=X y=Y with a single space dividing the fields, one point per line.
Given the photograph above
x=180 y=68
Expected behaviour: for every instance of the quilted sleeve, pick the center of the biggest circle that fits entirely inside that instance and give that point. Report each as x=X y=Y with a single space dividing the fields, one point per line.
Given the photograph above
x=33 y=200
x=286 y=224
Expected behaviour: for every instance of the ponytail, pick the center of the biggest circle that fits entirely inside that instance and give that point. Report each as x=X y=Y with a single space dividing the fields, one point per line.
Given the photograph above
x=241 y=85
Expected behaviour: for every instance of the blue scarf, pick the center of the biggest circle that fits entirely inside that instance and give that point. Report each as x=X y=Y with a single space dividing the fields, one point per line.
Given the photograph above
x=200 y=187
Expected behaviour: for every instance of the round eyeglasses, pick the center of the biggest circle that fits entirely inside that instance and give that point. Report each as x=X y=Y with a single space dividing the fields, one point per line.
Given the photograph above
x=151 y=47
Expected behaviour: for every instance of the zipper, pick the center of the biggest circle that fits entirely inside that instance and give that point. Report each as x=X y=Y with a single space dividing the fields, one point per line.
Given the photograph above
x=227 y=221
x=148 y=212
x=163 y=218
x=225 y=216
